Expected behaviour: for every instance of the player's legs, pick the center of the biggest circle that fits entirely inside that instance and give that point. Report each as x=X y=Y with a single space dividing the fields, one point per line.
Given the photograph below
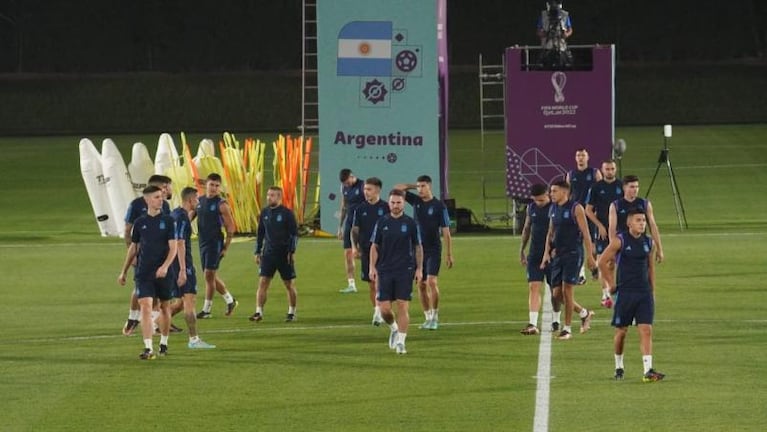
x=351 y=286
x=261 y=295
x=290 y=287
x=533 y=306
x=189 y=304
x=619 y=341
x=134 y=314
x=403 y=315
x=433 y=286
x=403 y=292
x=147 y=328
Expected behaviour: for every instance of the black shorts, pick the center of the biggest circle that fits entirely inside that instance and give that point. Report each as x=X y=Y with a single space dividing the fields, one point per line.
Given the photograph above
x=432 y=261
x=347 y=232
x=534 y=272
x=566 y=268
x=630 y=306
x=190 y=287
x=162 y=288
x=365 y=265
x=395 y=286
x=210 y=254
x=271 y=263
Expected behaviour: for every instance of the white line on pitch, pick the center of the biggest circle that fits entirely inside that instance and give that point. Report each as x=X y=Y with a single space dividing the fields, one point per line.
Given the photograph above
x=541 y=419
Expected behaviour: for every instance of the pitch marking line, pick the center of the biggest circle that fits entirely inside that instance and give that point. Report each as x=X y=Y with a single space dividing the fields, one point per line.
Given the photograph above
x=541 y=419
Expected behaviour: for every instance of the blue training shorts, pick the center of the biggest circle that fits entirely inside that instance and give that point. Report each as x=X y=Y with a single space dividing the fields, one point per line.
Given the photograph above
x=161 y=288
x=348 y=232
x=630 y=306
x=210 y=255
x=534 y=272
x=272 y=263
x=397 y=286
x=566 y=268
x=190 y=287
x=432 y=260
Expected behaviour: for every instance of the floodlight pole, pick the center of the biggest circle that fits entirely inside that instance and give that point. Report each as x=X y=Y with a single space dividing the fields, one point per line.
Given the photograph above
x=664 y=158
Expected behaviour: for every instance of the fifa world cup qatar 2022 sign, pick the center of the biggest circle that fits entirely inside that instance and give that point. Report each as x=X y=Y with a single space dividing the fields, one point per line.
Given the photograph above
x=551 y=114
x=379 y=93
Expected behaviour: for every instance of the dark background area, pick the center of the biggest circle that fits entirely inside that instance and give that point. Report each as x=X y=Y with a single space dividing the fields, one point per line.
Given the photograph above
x=113 y=65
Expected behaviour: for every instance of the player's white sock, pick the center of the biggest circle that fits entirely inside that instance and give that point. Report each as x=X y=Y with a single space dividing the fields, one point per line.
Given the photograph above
x=435 y=314
x=291 y=309
x=647 y=362
x=163 y=340
x=228 y=297
x=352 y=283
x=207 y=305
x=556 y=316
x=134 y=314
x=377 y=310
x=605 y=293
x=193 y=339
x=583 y=313
x=534 y=318
x=260 y=310
x=148 y=343
x=618 y=361
x=567 y=329
x=393 y=326
x=427 y=314
x=401 y=338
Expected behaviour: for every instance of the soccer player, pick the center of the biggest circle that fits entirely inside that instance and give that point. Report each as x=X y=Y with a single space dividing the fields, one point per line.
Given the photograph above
x=153 y=240
x=212 y=212
x=635 y=287
x=600 y=196
x=137 y=208
x=183 y=266
x=431 y=215
x=534 y=231
x=619 y=211
x=567 y=230
x=396 y=257
x=275 y=250
x=352 y=194
x=366 y=215
x=581 y=179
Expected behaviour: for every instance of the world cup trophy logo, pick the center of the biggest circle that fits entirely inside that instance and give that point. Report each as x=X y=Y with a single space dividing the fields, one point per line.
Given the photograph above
x=558 y=81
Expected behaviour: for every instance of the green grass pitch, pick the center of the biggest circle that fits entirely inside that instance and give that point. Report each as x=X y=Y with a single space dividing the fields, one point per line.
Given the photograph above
x=65 y=366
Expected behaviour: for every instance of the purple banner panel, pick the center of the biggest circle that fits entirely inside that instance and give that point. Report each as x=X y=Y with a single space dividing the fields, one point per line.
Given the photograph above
x=551 y=114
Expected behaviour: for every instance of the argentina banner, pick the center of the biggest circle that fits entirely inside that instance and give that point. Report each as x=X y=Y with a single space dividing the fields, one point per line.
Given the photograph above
x=379 y=95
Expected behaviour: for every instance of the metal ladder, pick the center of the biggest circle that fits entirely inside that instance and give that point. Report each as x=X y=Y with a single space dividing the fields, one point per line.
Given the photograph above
x=492 y=122
x=310 y=122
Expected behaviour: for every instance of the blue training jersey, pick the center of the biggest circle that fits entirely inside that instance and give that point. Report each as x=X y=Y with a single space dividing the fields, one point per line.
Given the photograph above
x=354 y=195
x=277 y=231
x=183 y=232
x=365 y=217
x=633 y=263
x=622 y=209
x=152 y=234
x=539 y=228
x=601 y=195
x=567 y=234
x=138 y=207
x=396 y=239
x=431 y=217
x=209 y=221
x=581 y=182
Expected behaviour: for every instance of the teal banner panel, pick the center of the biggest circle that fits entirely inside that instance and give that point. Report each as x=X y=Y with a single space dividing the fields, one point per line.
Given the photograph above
x=378 y=95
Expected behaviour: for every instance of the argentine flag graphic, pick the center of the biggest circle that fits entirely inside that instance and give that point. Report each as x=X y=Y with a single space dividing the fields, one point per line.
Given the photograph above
x=364 y=49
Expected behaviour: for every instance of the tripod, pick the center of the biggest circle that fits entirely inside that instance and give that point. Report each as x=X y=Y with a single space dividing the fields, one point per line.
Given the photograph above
x=663 y=158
